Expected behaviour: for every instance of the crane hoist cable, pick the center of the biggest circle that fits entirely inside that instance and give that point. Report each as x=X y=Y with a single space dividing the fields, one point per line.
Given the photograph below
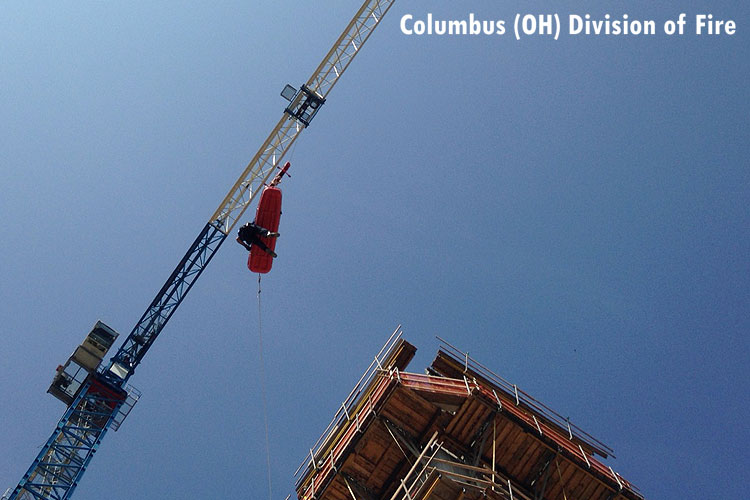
x=263 y=391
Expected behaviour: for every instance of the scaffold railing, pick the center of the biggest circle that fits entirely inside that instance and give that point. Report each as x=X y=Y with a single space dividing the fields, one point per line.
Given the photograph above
x=384 y=376
x=348 y=408
x=524 y=398
x=429 y=468
x=465 y=387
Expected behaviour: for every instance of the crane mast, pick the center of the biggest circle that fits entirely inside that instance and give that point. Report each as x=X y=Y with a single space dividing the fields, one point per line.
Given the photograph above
x=97 y=394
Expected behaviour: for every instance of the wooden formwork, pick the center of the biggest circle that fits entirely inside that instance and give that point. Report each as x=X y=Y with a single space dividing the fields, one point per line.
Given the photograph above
x=452 y=434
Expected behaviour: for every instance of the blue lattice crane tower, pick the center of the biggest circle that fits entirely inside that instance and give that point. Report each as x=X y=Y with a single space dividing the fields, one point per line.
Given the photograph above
x=97 y=394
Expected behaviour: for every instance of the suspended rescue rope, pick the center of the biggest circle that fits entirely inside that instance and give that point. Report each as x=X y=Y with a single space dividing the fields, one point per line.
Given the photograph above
x=259 y=238
x=263 y=390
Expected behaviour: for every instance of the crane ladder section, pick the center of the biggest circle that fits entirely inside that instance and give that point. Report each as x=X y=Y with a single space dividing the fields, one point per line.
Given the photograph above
x=64 y=457
x=61 y=462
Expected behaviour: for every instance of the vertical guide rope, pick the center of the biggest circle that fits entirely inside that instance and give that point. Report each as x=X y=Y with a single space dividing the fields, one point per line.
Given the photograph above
x=263 y=385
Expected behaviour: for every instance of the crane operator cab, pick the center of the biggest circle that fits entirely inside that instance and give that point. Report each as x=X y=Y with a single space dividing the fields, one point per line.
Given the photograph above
x=259 y=236
x=304 y=103
x=85 y=360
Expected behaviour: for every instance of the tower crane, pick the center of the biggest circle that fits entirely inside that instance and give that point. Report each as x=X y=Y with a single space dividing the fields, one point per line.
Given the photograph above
x=97 y=394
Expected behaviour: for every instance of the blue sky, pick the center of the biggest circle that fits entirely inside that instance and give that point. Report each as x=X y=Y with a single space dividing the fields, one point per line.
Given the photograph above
x=572 y=212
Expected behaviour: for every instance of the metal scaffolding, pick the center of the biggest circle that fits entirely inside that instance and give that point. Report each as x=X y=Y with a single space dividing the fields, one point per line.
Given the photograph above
x=457 y=432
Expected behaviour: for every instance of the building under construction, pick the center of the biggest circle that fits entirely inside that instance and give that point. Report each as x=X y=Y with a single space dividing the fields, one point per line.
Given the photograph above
x=458 y=432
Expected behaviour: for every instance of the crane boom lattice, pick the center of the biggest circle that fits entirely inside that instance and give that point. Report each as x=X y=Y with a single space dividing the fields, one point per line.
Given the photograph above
x=101 y=400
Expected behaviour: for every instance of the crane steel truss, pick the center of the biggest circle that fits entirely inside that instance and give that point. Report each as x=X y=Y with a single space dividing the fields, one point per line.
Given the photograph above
x=61 y=462
x=64 y=457
x=286 y=131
